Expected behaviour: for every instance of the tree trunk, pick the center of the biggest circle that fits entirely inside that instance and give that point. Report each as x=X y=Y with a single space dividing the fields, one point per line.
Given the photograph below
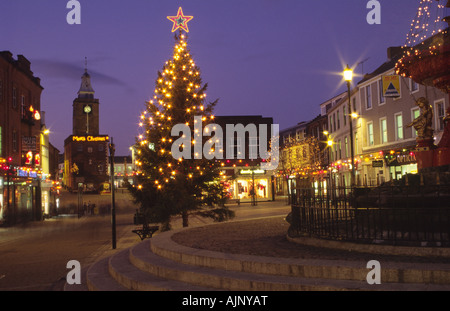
x=185 y=217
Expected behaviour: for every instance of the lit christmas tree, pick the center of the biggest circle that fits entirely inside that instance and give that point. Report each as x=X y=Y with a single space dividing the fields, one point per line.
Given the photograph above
x=168 y=185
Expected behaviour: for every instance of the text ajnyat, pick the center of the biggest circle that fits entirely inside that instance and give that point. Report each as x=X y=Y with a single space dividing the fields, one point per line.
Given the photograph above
x=230 y=301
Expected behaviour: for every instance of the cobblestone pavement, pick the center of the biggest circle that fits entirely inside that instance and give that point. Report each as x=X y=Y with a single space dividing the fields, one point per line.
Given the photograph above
x=267 y=237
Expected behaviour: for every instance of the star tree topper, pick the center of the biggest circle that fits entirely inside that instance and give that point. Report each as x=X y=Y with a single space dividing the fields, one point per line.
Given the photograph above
x=180 y=21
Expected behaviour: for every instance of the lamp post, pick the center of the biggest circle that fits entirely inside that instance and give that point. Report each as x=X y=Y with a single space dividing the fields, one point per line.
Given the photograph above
x=112 y=150
x=327 y=149
x=348 y=75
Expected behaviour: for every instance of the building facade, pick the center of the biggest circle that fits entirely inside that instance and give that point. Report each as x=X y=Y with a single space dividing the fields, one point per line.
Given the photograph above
x=338 y=136
x=20 y=130
x=388 y=144
x=124 y=171
x=86 y=150
x=242 y=174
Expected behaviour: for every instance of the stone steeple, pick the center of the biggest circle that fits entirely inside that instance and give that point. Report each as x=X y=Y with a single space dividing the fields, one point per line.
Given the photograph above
x=86 y=90
x=86 y=108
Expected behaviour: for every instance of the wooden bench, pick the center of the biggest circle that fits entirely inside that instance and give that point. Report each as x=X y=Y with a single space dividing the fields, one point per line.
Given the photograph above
x=145 y=231
x=236 y=201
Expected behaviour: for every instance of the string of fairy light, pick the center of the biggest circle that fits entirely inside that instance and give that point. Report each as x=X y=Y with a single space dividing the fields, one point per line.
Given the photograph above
x=426 y=23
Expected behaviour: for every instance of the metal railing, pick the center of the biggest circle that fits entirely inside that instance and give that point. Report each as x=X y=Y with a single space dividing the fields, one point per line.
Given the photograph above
x=396 y=215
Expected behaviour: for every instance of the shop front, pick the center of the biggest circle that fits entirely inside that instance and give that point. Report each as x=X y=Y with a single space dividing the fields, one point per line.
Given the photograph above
x=20 y=197
x=250 y=184
x=400 y=164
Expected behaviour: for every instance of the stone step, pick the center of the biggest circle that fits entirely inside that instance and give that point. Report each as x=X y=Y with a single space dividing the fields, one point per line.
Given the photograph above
x=391 y=272
x=132 y=278
x=147 y=261
x=142 y=257
x=159 y=264
x=98 y=277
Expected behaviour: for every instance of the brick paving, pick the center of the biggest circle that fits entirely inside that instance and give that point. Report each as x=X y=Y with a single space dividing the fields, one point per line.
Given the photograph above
x=267 y=237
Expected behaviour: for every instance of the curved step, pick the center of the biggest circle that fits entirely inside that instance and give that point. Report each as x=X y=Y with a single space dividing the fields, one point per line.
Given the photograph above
x=424 y=273
x=132 y=278
x=99 y=279
x=142 y=257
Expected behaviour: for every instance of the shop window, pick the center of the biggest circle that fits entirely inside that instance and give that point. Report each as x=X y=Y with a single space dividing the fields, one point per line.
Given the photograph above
x=246 y=190
x=89 y=149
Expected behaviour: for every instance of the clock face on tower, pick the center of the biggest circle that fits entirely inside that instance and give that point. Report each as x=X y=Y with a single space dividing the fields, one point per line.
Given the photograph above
x=87 y=109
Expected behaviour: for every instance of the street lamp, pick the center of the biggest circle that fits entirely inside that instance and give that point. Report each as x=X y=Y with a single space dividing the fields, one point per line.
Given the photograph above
x=348 y=75
x=112 y=150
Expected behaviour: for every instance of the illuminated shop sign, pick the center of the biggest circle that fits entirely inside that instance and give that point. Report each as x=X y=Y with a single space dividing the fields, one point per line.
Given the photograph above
x=90 y=138
x=247 y=172
x=26 y=173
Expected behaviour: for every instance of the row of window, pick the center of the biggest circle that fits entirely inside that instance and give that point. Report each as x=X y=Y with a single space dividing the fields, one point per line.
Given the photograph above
x=15 y=98
x=413 y=87
x=336 y=117
x=399 y=124
x=336 y=152
x=90 y=149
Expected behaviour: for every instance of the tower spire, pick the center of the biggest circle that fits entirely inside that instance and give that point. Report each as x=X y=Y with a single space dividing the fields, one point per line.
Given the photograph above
x=86 y=90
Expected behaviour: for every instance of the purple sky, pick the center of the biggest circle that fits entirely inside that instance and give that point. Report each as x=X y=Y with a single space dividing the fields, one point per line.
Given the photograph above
x=276 y=58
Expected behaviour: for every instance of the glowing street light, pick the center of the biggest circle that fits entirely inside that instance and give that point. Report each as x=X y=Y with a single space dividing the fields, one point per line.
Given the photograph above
x=348 y=76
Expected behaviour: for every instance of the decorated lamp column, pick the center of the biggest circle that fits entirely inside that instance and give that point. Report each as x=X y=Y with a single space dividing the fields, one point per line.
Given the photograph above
x=348 y=76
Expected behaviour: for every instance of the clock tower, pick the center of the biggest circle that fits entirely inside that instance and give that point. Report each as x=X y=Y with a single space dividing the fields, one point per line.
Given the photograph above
x=85 y=109
x=85 y=151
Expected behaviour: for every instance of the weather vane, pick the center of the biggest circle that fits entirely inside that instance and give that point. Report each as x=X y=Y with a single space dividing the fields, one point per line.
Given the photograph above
x=180 y=21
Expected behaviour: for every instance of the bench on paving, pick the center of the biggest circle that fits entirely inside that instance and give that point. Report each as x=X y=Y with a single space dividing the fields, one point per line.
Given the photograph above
x=145 y=231
x=236 y=201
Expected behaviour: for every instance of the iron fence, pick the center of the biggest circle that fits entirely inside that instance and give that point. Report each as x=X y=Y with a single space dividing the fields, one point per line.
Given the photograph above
x=396 y=215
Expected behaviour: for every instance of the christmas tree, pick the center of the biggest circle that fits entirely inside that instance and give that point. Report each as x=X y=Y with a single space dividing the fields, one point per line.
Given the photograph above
x=167 y=185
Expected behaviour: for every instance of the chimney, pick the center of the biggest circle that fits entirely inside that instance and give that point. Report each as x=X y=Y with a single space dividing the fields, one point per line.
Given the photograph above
x=393 y=51
x=7 y=55
x=24 y=63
